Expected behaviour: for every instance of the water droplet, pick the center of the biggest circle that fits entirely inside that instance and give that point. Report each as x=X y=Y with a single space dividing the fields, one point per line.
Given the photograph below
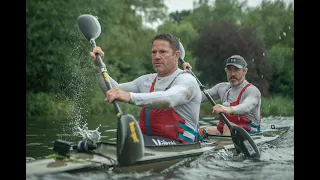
x=279 y=37
x=284 y=33
x=262 y=76
x=289 y=27
x=263 y=54
x=252 y=60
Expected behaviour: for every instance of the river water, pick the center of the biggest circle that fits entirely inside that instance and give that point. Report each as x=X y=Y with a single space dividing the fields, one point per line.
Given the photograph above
x=276 y=162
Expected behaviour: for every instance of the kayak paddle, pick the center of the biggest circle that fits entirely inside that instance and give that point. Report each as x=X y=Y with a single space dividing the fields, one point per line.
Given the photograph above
x=130 y=143
x=240 y=137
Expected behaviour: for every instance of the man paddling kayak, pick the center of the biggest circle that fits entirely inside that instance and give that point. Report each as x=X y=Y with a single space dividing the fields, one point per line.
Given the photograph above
x=170 y=98
x=240 y=99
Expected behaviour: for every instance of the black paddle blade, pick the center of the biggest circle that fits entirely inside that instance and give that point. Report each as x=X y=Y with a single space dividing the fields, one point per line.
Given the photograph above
x=130 y=143
x=244 y=143
x=89 y=26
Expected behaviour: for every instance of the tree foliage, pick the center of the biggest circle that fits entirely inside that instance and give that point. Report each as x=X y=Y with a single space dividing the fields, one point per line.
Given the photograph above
x=218 y=42
x=270 y=25
x=57 y=52
x=58 y=62
x=177 y=17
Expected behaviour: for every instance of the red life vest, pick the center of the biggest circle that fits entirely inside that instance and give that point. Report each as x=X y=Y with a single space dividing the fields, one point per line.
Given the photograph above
x=166 y=123
x=239 y=120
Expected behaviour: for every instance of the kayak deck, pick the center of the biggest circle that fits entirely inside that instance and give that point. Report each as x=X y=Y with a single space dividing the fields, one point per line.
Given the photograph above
x=157 y=157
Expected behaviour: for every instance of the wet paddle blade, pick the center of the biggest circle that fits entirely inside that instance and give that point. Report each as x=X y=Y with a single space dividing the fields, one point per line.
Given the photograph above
x=244 y=143
x=130 y=143
x=89 y=26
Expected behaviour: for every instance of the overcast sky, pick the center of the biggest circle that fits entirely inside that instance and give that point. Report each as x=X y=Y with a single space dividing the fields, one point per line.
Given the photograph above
x=178 y=5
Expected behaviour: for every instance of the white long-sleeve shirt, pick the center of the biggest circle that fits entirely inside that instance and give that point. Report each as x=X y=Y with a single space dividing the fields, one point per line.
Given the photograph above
x=250 y=100
x=184 y=94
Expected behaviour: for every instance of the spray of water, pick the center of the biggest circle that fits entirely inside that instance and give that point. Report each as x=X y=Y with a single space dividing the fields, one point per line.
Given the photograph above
x=79 y=87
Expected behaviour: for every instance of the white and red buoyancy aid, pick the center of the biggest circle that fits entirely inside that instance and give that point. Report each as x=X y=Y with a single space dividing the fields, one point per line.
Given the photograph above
x=166 y=123
x=242 y=121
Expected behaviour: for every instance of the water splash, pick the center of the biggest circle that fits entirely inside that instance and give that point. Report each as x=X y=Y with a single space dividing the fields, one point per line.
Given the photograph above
x=93 y=135
x=78 y=89
x=221 y=154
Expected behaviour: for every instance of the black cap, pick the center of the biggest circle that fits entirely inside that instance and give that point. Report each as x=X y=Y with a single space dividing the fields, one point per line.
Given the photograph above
x=237 y=61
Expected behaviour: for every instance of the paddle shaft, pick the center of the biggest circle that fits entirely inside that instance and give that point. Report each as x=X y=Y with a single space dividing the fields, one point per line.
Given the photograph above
x=224 y=118
x=106 y=79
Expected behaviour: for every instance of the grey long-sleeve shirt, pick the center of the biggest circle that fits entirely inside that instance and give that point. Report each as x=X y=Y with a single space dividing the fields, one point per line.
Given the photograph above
x=250 y=100
x=184 y=95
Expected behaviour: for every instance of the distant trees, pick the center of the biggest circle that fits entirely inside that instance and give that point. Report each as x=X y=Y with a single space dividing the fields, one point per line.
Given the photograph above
x=57 y=57
x=264 y=35
x=58 y=62
x=219 y=41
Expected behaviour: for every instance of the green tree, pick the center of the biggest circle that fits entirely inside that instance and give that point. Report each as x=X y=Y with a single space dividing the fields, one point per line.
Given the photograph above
x=218 y=42
x=221 y=10
x=177 y=17
x=277 y=33
x=57 y=57
x=278 y=22
x=281 y=58
x=55 y=45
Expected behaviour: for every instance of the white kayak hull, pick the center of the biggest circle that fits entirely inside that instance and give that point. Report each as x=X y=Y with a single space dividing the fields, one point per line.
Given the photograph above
x=156 y=158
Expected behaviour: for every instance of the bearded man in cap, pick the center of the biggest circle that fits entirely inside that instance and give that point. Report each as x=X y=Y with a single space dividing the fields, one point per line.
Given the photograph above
x=240 y=99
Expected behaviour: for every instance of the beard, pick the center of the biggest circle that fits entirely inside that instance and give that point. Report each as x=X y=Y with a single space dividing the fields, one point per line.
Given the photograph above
x=234 y=81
